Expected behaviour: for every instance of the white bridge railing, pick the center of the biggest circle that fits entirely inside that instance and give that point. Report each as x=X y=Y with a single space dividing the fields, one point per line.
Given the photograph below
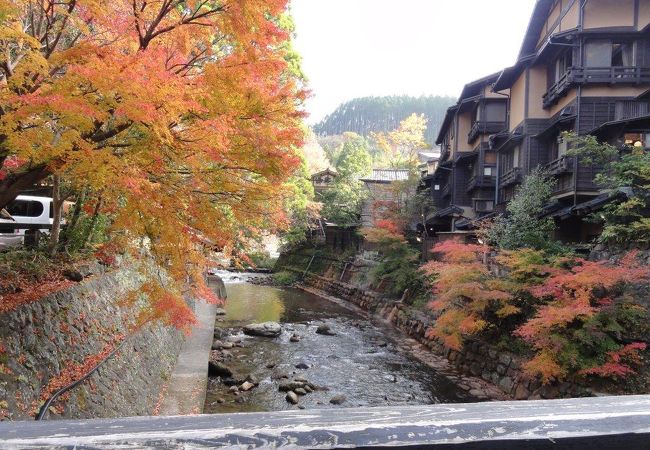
x=593 y=423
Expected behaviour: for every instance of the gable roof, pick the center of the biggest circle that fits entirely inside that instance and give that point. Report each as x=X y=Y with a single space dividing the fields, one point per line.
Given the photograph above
x=387 y=175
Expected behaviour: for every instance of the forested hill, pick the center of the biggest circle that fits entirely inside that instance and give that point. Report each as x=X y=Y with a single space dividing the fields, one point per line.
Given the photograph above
x=372 y=114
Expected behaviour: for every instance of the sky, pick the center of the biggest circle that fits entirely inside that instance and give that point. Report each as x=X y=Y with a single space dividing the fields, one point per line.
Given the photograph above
x=358 y=48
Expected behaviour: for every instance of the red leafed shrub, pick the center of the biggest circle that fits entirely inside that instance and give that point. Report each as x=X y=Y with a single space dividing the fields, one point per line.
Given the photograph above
x=566 y=314
x=576 y=329
x=463 y=293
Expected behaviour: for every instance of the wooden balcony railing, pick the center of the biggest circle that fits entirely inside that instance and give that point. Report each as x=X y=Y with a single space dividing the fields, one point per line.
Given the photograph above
x=631 y=109
x=563 y=164
x=484 y=128
x=480 y=181
x=607 y=75
x=514 y=175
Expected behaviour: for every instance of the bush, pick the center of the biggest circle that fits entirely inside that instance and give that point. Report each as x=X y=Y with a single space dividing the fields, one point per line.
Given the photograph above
x=285 y=278
x=574 y=315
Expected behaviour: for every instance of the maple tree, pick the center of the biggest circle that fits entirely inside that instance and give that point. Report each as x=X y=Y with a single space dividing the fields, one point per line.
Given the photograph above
x=177 y=119
x=573 y=313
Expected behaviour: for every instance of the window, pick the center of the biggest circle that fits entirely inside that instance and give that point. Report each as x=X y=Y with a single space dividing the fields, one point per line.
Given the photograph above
x=516 y=156
x=608 y=53
x=562 y=65
x=487 y=171
x=484 y=205
x=622 y=54
x=638 y=140
x=24 y=208
x=495 y=112
x=436 y=187
x=598 y=53
x=490 y=158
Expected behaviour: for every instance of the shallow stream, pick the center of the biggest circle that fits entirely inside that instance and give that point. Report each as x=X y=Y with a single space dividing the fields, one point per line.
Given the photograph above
x=362 y=362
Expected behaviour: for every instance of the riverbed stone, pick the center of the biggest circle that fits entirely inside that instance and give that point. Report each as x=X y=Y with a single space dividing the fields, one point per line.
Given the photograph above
x=300 y=391
x=246 y=386
x=292 y=397
x=266 y=329
x=294 y=338
x=216 y=369
x=220 y=312
x=290 y=386
x=302 y=366
x=338 y=399
x=325 y=330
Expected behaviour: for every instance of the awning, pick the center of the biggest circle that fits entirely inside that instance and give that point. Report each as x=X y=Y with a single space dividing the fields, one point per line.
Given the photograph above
x=588 y=207
x=621 y=125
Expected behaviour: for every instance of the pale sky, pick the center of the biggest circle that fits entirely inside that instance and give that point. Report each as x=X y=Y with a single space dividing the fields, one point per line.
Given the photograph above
x=358 y=48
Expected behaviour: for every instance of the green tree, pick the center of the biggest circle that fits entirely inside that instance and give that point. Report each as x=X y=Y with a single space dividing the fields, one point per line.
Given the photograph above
x=522 y=226
x=628 y=172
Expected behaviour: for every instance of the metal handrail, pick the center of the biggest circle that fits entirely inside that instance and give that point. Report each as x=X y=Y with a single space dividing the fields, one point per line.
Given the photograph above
x=43 y=410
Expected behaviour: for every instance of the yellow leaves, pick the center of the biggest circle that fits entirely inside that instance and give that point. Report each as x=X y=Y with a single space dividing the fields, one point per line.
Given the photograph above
x=545 y=366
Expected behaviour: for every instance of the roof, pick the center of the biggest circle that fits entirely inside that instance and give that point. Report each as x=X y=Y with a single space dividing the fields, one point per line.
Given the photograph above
x=387 y=175
x=329 y=171
x=428 y=156
x=471 y=93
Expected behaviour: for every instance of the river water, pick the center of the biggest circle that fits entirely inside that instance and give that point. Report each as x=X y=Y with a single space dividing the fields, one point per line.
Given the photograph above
x=362 y=362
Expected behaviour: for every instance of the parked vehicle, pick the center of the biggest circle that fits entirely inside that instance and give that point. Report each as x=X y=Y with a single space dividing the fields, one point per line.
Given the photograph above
x=9 y=239
x=32 y=210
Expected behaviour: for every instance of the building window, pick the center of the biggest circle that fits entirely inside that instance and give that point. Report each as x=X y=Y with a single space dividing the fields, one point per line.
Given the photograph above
x=637 y=140
x=436 y=187
x=495 y=112
x=608 y=53
x=484 y=206
x=487 y=171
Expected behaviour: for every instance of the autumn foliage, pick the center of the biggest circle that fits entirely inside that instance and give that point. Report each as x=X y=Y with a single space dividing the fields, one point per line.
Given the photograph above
x=179 y=119
x=570 y=311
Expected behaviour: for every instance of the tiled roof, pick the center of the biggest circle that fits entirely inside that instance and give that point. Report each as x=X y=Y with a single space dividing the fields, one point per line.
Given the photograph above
x=387 y=175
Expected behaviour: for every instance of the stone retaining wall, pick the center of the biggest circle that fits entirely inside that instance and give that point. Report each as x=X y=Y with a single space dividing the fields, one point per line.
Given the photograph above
x=502 y=369
x=46 y=344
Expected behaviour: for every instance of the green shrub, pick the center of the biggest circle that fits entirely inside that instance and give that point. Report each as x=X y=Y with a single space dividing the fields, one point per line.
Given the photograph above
x=285 y=278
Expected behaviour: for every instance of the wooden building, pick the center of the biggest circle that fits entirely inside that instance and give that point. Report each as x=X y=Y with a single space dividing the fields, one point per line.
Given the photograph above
x=584 y=66
x=463 y=184
x=386 y=189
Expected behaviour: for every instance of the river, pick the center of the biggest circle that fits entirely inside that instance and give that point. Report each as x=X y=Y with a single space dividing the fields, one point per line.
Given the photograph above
x=362 y=362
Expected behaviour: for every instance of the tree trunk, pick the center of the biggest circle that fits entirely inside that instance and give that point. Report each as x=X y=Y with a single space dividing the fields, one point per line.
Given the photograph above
x=12 y=186
x=57 y=206
x=93 y=223
x=76 y=214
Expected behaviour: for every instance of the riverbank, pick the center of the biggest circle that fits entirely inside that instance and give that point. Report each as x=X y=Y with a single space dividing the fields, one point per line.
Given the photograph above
x=498 y=370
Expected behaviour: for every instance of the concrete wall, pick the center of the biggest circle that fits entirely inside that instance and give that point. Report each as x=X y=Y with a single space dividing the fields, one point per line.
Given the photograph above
x=64 y=333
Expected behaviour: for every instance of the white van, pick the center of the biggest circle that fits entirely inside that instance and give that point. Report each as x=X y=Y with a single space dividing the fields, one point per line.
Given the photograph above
x=31 y=209
x=9 y=239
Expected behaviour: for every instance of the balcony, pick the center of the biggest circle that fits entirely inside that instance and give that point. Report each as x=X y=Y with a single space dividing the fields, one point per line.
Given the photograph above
x=513 y=176
x=631 y=110
x=602 y=75
x=480 y=181
x=562 y=165
x=484 y=128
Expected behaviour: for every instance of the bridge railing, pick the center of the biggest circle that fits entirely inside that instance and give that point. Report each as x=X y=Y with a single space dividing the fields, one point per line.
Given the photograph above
x=594 y=423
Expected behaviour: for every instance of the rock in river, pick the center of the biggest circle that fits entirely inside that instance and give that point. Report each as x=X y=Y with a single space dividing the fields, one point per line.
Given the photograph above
x=247 y=386
x=302 y=366
x=337 y=399
x=220 y=312
x=292 y=397
x=216 y=369
x=267 y=329
x=325 y=330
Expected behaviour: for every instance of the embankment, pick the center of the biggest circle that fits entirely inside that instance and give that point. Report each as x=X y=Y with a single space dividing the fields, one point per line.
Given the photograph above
x=47 y=344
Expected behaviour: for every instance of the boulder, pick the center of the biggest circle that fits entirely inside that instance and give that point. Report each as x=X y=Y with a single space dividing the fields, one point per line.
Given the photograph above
x=216 y=369
x=266 y=329
x=301 y=391
x=302 y=366
x=325 y=330
x=290 y=386
x=294 y=338
x=292 y=398
x=246 y=386
x=337 y=400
